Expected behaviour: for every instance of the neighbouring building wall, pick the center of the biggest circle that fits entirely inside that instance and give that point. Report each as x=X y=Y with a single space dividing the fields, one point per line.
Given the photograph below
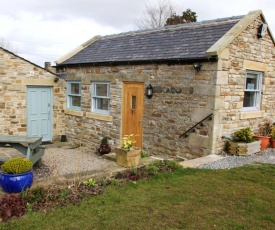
x=246 y=52
x=182 y=97
x=15 y=75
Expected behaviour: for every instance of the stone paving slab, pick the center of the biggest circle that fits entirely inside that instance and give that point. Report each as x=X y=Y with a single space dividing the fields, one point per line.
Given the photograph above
x=199 y=161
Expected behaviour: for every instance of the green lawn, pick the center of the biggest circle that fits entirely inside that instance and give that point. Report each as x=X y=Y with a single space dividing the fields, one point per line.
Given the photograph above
x=240 y=198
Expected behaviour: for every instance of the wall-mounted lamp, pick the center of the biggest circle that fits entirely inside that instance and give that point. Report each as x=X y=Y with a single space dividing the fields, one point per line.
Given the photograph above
x=56 y=79
x=149 y=91
x=197 y=66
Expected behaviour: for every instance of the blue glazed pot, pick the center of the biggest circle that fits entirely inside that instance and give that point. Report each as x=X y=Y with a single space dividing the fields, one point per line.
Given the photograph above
x=14 y=183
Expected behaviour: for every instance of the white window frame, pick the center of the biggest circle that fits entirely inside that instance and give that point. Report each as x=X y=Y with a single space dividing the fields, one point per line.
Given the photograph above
x=257 y=98
x=95 y=97
x=70 y=95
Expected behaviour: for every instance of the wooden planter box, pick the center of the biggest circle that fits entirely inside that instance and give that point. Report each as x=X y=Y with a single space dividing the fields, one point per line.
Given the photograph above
x=244 y=149
x=128 y=158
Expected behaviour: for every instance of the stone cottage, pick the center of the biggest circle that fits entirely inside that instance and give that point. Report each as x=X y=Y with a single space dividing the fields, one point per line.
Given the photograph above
x=209 y=79
x=31 y=99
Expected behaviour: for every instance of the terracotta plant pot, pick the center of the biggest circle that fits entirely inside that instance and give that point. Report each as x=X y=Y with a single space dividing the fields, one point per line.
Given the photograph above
x=272 y=143
x=265 y=141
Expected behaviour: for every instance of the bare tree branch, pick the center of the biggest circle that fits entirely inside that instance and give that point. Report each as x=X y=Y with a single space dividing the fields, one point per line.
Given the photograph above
x=156 y=15
x=7 y=45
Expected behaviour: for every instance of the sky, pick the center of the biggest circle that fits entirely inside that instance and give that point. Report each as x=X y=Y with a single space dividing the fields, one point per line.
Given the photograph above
x=45 y=30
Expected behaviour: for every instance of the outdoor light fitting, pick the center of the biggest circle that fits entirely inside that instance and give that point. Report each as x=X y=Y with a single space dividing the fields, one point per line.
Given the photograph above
x=56 y=79
x=149 y=91
x=197 y=66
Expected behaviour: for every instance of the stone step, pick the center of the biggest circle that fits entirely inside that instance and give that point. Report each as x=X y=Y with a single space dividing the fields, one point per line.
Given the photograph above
x=199 y=161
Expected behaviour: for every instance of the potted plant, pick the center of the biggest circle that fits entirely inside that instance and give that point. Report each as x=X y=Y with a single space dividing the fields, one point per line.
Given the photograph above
x=104 y=148
x=243 y=143
x=263 y=134
x=128 y=155
x=16 y=175
x=272 y=137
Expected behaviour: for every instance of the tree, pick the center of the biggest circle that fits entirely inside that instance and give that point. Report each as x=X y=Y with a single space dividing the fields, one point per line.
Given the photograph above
x=187 y=16
x=156 y=16
x=7 y=45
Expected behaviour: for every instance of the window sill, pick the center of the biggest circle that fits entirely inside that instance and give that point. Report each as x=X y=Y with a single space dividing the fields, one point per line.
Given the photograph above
x=101 y=117
x=73 y=112
x=251 y=114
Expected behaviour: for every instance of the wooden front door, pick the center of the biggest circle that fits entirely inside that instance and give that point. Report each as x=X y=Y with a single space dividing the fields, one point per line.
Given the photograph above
x=132 y=110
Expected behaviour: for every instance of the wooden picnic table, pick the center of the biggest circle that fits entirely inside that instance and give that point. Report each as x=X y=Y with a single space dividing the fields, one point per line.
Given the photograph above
x=28 y=146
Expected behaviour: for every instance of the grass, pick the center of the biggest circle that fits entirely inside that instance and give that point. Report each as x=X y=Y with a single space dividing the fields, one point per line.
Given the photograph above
x=240 y=198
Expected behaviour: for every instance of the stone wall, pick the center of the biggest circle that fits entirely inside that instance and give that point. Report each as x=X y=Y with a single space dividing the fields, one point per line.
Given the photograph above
x=182 y=97
x=246 y=52
x=15 y=75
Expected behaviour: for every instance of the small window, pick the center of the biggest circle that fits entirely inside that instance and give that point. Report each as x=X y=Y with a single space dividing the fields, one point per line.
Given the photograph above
x=74 y=95
x=252 y=92
x=134 y=102
x=101 y=97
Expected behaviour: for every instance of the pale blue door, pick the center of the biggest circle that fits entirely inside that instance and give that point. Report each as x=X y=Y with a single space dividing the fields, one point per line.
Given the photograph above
x=39 y=112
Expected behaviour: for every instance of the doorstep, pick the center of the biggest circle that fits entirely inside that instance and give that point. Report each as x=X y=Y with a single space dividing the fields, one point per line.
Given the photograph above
x=200 y=161
x=143 y=161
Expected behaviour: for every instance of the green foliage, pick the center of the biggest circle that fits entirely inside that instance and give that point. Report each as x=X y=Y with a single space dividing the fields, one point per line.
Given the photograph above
x=114 y=181
x=16 y=166
x=36 y=194
x=103 y=182
x=128 y=142
x=90 y=182
x=105 y=140
x=272 y=135
x=243 y=135
x=144 y=154
x=134 y=169
x=151 y=169
x=170 y=165
x=186 y=17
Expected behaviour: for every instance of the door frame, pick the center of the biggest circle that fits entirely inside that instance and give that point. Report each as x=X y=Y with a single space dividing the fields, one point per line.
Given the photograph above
x=51 y=108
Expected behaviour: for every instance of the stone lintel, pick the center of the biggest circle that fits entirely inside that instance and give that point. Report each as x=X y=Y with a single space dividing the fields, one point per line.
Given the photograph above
x=257 y=66
x=42 y=82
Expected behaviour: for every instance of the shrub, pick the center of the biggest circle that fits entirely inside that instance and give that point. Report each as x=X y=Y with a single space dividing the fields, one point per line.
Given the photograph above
x=151 y=169
x=144 y=154
x=272 y=135
x=105 y=141
x=243 y=135
x=16 y=166
x=11 y=205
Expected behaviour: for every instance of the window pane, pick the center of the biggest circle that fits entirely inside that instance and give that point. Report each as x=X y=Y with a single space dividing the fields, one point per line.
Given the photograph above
x=249 y=99
x=75 y=88
x=101 y=90
x=251 y=82
x=76 y=101
x=102 y=103
x=134 y=102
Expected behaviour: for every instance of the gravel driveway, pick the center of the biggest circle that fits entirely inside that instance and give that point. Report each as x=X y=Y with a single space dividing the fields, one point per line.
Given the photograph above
x=58 y=162
x=267 y=156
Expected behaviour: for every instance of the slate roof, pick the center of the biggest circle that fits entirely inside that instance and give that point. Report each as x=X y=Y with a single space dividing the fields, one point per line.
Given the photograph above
x=179 y=42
